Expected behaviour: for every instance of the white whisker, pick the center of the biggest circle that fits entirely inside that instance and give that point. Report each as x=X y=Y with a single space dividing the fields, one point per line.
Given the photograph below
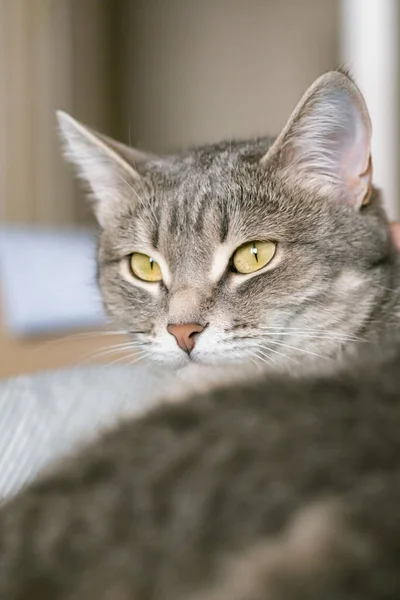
x=79 y=336
x=114 y=350
x=287 y=331
x=140 y=357
x=264 y=359
x=268 y=357
x=125 y=358
x=305 y=329
x=265 y=347
x=303 y=350
x=322 y=336
x=109 y=350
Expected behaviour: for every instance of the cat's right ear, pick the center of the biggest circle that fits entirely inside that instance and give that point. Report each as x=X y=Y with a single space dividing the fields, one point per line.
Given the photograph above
x=104 y=164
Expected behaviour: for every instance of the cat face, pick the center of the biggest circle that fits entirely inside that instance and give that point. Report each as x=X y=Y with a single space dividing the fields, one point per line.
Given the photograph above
x=261 y=251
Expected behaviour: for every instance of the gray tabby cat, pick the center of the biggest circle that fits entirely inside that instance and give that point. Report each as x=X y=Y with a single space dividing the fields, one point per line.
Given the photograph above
x=254 y=251
x=282 y=488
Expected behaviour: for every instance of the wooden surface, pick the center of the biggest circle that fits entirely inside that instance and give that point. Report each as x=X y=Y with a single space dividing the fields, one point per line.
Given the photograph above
x=20 y=356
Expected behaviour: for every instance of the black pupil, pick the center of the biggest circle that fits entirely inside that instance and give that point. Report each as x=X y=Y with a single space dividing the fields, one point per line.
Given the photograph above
x=254 y=252
x=151 y=263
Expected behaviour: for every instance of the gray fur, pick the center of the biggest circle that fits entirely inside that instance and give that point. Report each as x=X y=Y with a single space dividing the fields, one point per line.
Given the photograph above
x=276 y=489
x=338 y=280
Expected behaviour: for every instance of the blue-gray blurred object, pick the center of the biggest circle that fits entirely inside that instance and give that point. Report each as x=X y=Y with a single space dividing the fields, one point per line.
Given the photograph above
x=47 y=280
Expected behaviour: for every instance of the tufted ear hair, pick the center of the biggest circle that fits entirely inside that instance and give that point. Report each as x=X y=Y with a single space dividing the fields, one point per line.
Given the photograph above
x=327 y=140
x=108 y=167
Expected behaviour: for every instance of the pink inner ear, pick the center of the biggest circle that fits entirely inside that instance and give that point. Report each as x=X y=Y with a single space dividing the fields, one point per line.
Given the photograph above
x=357 y=163
x=328 y=139
x=363 y=187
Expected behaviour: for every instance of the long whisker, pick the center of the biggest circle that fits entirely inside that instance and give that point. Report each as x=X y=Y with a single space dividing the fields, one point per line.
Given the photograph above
x=113 y=350
x=79 y=336
x=264 y=359
x=265 y=347
x=305 y=329
x=321 y=336
x=269 y=358
x=124 y=348
x=310 y=332
x=253 y=360
x=303 y=350
x=139 y=356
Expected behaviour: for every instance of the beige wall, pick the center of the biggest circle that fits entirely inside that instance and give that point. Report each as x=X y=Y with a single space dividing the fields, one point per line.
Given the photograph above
x=205 y=70
x=53 y=54
x=160 y=73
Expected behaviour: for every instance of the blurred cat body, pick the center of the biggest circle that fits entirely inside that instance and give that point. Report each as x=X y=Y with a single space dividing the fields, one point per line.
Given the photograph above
x=278 y=490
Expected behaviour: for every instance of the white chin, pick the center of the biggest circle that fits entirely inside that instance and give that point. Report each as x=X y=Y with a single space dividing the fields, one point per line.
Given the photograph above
x=173 y=362
x=180 y=361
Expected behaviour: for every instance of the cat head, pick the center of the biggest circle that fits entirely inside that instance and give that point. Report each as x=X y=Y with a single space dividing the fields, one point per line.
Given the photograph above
x=264 y=250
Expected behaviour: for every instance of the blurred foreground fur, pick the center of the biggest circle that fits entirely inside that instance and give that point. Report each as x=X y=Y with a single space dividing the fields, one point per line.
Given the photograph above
x=271 y=490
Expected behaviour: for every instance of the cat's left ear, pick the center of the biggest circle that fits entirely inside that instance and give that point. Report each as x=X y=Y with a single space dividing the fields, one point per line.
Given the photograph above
x=327 y=141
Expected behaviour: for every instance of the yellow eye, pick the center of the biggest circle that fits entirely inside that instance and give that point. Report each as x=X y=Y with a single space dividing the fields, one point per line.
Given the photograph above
x=253 y=256
x=145 y=268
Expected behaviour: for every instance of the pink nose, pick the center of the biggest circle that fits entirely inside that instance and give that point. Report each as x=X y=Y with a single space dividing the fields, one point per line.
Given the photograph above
x=185 y=334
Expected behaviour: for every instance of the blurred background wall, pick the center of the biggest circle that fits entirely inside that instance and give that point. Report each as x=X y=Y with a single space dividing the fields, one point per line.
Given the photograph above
x=53 y=54
x=202 y=71
x=157 y=73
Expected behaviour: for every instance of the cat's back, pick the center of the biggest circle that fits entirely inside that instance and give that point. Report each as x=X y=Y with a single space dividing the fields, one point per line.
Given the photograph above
x=152 y=508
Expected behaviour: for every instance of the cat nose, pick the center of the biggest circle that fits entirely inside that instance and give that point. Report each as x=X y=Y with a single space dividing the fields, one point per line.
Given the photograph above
x=185 y=334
